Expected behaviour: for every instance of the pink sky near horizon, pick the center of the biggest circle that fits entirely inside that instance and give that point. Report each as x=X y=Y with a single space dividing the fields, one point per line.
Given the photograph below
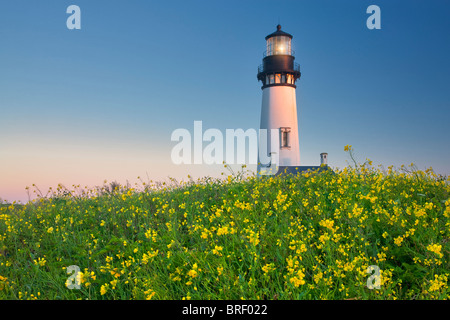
x=51 y=163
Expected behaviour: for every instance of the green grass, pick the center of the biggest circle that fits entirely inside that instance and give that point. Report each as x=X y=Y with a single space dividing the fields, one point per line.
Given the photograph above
x=310 y=236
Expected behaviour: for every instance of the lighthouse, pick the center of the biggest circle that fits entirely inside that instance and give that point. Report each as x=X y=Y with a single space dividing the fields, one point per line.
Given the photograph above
x=278 y=74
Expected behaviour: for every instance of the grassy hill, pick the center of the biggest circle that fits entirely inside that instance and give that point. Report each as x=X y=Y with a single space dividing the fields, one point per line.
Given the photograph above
x=311 y=236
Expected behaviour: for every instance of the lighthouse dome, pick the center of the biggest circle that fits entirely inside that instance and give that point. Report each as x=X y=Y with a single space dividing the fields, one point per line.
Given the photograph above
x=279 y=33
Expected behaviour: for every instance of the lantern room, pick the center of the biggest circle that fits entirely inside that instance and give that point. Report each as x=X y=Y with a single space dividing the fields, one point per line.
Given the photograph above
x=279 y=43
x=278 y=67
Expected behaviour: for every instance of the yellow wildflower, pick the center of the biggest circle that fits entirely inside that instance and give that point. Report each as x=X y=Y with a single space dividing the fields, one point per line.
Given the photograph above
x=398 y=241
x=436 y=248
x=103 y=289
x=217 y=250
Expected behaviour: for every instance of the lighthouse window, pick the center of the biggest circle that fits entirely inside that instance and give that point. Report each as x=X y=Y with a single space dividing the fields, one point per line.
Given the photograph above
x=277 y=78
x=281 y=45
x=269 y=47
x=285 y=137
x=290 y=79
x=283 y=78
x=278 y=45
x=271 y=79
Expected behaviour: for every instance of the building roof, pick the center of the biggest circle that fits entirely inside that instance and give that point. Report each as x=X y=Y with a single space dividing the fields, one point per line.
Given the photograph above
x=279 y=33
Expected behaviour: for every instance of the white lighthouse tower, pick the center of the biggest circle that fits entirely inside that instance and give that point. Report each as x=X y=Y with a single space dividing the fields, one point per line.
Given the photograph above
x=278 y=74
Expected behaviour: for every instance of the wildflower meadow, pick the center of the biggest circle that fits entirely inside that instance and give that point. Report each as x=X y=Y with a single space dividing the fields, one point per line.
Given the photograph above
x=307 y=236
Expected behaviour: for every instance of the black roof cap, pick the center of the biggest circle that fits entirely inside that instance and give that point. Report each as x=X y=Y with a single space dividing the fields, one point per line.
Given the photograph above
x=278 y=33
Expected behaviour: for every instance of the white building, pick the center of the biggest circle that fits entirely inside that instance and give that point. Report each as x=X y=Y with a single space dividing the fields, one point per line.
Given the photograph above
x=278 y=74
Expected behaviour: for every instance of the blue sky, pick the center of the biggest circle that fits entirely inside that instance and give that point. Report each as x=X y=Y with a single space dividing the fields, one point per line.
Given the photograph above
x=81 y=106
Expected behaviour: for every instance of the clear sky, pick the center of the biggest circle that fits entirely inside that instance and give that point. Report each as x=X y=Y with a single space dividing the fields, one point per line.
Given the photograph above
x=82 y=106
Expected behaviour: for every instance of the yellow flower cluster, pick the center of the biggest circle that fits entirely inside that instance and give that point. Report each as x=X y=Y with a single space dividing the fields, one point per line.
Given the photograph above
x=436 y=248
x=268 y=268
